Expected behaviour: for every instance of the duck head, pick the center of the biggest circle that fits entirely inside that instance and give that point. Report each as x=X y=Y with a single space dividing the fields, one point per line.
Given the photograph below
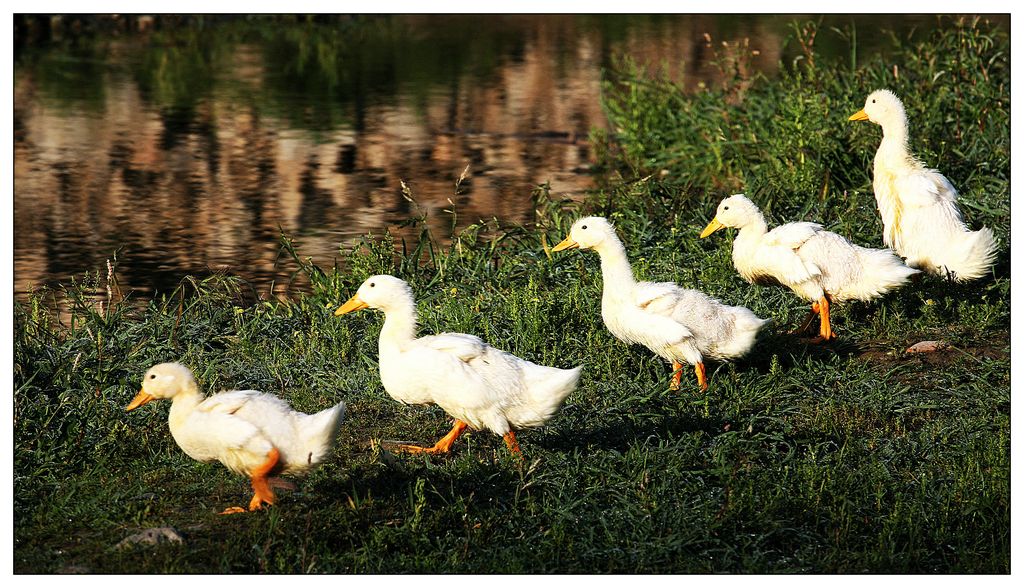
x=736 y=211
x=381 y=292
x=881 y=107
x=587 y=233
x=165 y=380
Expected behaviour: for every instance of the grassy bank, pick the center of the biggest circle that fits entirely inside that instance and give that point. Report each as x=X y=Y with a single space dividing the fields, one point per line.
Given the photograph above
x=852 y=457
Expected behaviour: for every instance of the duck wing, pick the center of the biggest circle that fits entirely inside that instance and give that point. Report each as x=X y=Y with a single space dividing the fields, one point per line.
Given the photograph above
x=233 y=401
x=655 y=294
x=221 y=427
x=791 y=235
x=924 y=187
x=468 y=378
x=465 y=347
x=778 y=253
x=655 y=303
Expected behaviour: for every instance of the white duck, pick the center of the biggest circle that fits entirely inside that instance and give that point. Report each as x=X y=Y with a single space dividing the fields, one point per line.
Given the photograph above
x=678 y=325
x=918 y=205
x=819 y=266
x=480 y=386
x=251 y=433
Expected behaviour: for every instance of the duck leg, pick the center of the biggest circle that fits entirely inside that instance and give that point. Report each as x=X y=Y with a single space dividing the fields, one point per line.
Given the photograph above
x=260 y=486
x=677 y=375
x=702 y=379
x=825 y=333
x=809 y=321
x=443 y=445
x=513 y=445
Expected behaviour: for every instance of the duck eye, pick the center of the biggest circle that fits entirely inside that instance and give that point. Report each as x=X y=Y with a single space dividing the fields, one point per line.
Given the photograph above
x=873 y=100
x=372 y=285
x=152 y=376
x=725 y=208
x=584 y=227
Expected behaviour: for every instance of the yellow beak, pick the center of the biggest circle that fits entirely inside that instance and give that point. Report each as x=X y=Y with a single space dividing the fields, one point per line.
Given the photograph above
x=566 y=243
x=140 y=399
x=353 y=304
x=713 y=226
x=860 y=115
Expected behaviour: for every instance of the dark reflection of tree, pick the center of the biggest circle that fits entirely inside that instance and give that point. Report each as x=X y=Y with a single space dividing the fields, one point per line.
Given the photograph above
x=65 y=178
x=144 y=271
x=316 y=202
x=142 y=184
x=252 y=172
x=346 y=161
x=50 y=242
x=206 y=130
x=120 y=153
x=176 y=125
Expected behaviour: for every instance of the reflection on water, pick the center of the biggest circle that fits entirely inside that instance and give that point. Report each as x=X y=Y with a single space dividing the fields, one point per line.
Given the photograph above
x=185 y=150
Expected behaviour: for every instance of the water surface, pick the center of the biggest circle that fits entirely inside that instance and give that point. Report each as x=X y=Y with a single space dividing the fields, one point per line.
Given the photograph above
x=187 y=149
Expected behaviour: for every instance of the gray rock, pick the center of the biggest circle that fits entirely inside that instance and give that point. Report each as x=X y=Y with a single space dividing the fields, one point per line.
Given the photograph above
x=927 y=346
x=153 y=536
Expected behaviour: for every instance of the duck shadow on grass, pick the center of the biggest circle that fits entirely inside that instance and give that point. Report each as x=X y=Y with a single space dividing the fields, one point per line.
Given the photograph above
x=788 y=349
x=394 y=479
x=623 y=433
x=481 y=465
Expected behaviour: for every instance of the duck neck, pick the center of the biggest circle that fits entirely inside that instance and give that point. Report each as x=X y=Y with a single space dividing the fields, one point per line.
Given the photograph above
x=615 y=268
x=895 y=140
x=755 y=229
x=747 y=239
x=399 y=325
x=182 y=405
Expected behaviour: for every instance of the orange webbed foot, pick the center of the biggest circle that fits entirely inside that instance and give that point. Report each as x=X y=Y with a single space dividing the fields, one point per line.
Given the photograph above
x=442 y=446
x=414 y=449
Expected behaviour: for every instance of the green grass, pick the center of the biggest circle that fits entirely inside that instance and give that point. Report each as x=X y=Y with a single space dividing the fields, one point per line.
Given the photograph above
x=852 y=457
